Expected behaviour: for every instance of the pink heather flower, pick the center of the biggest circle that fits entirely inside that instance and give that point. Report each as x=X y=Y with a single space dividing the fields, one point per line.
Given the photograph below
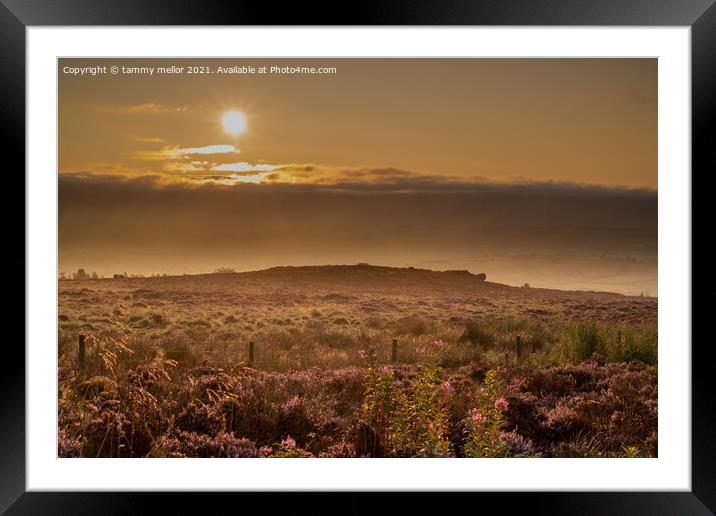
x=438 y=343
x=289 y=441
x=264 y=451
x=476 y=415
x=501 y=404
x=367 y=352
x=420 y=351
x=447 y=387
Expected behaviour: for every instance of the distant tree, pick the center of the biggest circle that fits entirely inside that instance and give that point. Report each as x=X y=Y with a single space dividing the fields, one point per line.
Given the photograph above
x=80 y=275
x=526 y=285
x=63 y=276
x=481 y=277
x=224 y=270
x=94 y=276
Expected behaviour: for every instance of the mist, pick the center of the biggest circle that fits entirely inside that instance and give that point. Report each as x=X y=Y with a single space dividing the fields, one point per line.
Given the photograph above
x=553 y=235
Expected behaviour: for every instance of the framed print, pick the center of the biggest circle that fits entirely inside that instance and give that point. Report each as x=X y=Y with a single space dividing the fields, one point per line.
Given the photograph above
x=445 y=248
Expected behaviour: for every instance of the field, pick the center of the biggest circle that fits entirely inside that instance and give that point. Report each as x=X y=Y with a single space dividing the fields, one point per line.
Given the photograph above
x=481 y=369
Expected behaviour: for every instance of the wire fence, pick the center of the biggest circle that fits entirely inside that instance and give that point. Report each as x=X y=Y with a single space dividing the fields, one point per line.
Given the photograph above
x=268 y=356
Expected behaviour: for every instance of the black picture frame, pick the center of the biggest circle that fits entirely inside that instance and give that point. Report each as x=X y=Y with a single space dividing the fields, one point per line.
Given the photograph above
x=17 y=15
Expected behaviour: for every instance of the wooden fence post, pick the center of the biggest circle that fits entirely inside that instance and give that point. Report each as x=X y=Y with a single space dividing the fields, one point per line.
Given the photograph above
x=251 y=353
x=394 y=351
x=81 y=355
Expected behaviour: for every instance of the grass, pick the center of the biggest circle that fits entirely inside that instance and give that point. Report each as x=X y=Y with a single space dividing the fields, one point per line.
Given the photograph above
x=167 y=370
x=617 y=343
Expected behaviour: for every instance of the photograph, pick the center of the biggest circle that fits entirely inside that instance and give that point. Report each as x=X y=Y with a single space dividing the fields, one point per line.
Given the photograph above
x=367 y=257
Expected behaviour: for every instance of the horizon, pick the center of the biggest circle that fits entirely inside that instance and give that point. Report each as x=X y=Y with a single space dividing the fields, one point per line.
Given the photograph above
x=64 y=276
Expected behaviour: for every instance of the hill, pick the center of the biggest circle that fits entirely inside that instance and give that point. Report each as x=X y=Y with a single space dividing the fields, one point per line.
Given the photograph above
x=371 y=289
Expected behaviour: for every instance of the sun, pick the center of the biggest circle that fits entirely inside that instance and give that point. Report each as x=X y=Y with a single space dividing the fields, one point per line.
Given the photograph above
x=234 y=122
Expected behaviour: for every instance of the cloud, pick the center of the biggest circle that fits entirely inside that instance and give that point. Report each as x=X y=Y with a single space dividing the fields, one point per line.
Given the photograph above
x=182 y=167
x=98 y=168
x=153 y=107
x=243 y=167
x=143 y=108
x=208 y=149
x=244 y=178
x=174 y=152
x=273 y=181
x=147 y=139
x=179 y=168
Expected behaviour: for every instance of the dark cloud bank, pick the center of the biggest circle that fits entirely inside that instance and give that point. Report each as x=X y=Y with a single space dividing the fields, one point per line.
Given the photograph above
x=547 y=234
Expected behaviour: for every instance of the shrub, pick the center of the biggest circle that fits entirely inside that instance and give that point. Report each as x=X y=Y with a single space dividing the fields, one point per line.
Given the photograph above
x=618 y=343
x=378 y=402
x=411 y=325
x=632 y=344
x=584 y=340
x=67 y=444
x=486 y=422
x=192 y=444
x=575 y=410
x=419 y=426
x=476 y=334
x=287 y=448
x=201 y=418
x=159 y=408
x=409 y=420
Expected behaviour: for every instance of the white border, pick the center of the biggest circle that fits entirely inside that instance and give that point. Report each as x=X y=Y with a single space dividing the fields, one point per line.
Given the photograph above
x=670 y=471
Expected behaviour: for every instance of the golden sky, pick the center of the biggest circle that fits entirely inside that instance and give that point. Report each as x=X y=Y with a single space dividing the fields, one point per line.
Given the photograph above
x=455 y=120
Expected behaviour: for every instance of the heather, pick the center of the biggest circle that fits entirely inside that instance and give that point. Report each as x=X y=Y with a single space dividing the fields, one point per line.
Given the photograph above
x=160 y=409
x=480 y=369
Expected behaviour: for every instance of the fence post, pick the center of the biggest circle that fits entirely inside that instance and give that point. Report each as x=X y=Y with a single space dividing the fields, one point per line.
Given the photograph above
x=81 y=355
x=518 y=347
x=507 y=358
x=251 y=353
x=394 y=351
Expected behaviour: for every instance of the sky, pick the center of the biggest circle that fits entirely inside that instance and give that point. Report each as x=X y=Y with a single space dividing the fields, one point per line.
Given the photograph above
x=531 y=170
